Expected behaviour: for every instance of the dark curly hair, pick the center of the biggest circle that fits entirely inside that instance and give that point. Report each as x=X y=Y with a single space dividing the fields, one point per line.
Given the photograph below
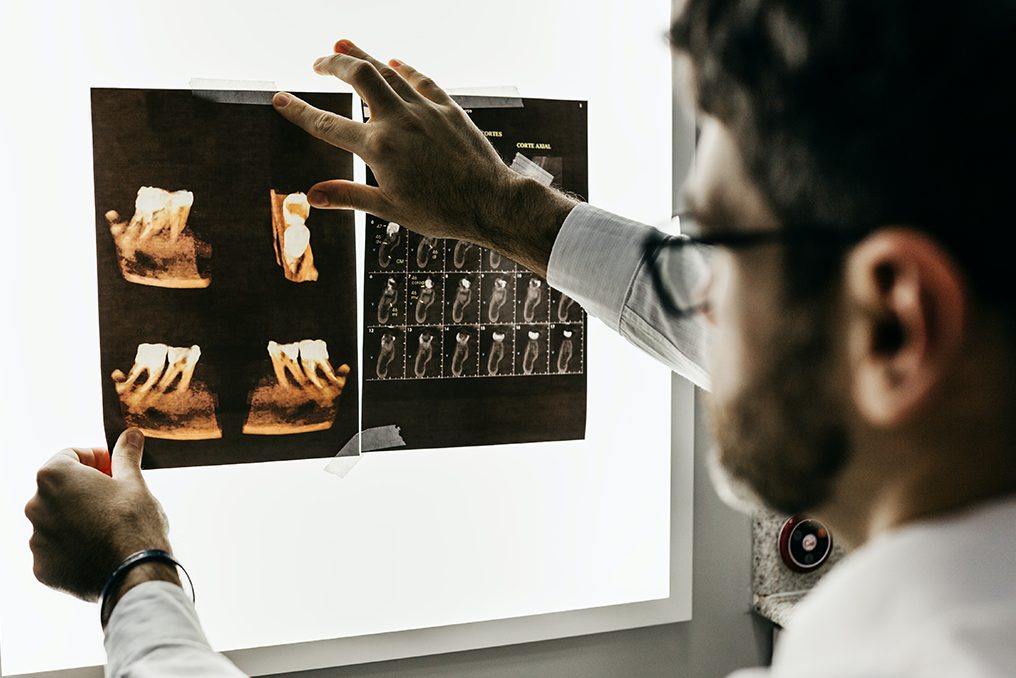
x=861 y=113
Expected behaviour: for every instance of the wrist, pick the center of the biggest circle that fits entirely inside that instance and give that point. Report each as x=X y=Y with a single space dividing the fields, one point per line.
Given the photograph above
x=142 y=572
x=525 y=220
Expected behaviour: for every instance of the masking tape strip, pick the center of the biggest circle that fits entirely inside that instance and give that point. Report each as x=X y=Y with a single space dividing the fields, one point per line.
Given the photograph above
x=369 y=440
x=487 y=97
x=259 y=92
x=528 y=168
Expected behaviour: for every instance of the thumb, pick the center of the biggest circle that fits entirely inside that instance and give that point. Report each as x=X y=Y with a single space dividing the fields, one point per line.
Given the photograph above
x=126 y=459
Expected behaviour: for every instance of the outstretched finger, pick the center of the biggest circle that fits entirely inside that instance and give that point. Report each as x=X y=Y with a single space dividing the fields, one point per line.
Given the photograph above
x=325 y=125
x=365 y=79
x=391 y=76
x=421 y=83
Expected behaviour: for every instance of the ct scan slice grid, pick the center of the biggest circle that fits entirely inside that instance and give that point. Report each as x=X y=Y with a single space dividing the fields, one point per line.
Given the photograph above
x=463 y=347
x=459 y=301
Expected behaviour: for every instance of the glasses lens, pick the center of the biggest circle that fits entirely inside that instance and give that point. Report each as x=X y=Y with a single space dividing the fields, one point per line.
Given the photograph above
x=685 y=273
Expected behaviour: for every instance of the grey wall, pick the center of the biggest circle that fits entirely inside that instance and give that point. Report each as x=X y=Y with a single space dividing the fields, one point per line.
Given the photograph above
x=722 y=636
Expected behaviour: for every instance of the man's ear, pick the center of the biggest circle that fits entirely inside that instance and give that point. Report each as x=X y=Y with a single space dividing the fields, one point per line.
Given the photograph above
x=908 y=306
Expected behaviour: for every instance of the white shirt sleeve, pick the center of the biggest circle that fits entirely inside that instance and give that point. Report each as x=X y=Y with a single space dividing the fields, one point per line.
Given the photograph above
x=599 y=260
x=154 y=632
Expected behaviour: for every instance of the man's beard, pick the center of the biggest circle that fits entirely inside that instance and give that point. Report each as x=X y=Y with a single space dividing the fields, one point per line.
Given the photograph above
x=783 y=439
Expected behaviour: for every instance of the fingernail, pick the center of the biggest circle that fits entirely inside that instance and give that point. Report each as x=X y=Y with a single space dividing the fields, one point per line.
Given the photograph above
x=395 y=63
x=343 y=46
x=318 y=199
x=281 y=100
x=135 y=437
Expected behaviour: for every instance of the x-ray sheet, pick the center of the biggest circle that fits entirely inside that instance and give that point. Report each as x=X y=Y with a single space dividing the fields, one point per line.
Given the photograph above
x=463 y=346
x=227 y=306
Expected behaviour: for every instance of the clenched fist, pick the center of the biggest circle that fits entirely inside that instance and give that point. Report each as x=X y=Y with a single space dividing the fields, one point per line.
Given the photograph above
x=90 y=511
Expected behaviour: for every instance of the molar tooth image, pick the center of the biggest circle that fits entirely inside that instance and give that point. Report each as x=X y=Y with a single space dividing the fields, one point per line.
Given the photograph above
x=155 y=248
x=497 y=299
x=565 y=351
x=534 y=295
x=291 y=236
x=532 y=353
x=388 y=298
x=463 y=295
x=301 y=394
x=496 y=353
x=385 y=357
x=495 y=259
x=393 y=234
x=563 y=306
x=424 y=353
x=459 y=253
x=423 y=251
x=425 y=300
x=169 y=403
x=461 y=354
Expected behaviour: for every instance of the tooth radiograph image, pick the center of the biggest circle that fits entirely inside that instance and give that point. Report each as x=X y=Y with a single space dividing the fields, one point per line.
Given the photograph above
x=425 y=352
x=154 y=247
x=389 y=245
x=299 y=396
x=227 y=305
x=425 y=299
x=389 y=296
x=465 y=256
x=291 y=236
x=494 y=260
x=161 y=397
x=462 y=345
x=462 y=303
x=461 y=353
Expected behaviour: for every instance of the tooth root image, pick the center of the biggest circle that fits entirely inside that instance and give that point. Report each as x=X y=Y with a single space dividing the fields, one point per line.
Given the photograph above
x=385 y=356
x=291 y=236
x=387 y=301
x=154 y=247
x=423 y=251
x=424 y=354
x=564 y=353
x=300 y=394
x=161 y=397
x=495 y=259
x=424 y=301
x=564 y=305
x=463 y=295
x=531 y=354
x=459 y=253
x=461 y=354
x=393 y=234
x=534 y=295
x=497 y=299
x=496 y=354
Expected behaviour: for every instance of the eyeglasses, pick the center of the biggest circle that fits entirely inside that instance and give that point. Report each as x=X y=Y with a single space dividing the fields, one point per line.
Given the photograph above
x=680 y=266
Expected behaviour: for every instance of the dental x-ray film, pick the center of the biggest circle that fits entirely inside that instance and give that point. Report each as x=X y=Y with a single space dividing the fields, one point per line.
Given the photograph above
x=461 y=345
x=227 y=306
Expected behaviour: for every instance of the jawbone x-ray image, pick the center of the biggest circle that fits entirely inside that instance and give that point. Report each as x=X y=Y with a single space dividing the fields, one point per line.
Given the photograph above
x=227 y=305
x=461 y=345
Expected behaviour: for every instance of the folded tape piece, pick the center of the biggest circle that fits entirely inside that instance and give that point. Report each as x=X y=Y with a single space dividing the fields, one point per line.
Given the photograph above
x=369 y=440
x=258 y=92
x=528 y=168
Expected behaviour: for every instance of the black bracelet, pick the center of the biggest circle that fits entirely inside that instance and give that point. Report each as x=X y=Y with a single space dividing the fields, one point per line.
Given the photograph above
x=130 y=562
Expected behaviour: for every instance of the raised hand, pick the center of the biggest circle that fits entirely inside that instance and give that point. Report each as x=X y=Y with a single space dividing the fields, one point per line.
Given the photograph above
x=437 y=174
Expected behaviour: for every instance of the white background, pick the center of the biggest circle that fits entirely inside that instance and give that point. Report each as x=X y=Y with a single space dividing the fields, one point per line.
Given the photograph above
x=284 y=553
